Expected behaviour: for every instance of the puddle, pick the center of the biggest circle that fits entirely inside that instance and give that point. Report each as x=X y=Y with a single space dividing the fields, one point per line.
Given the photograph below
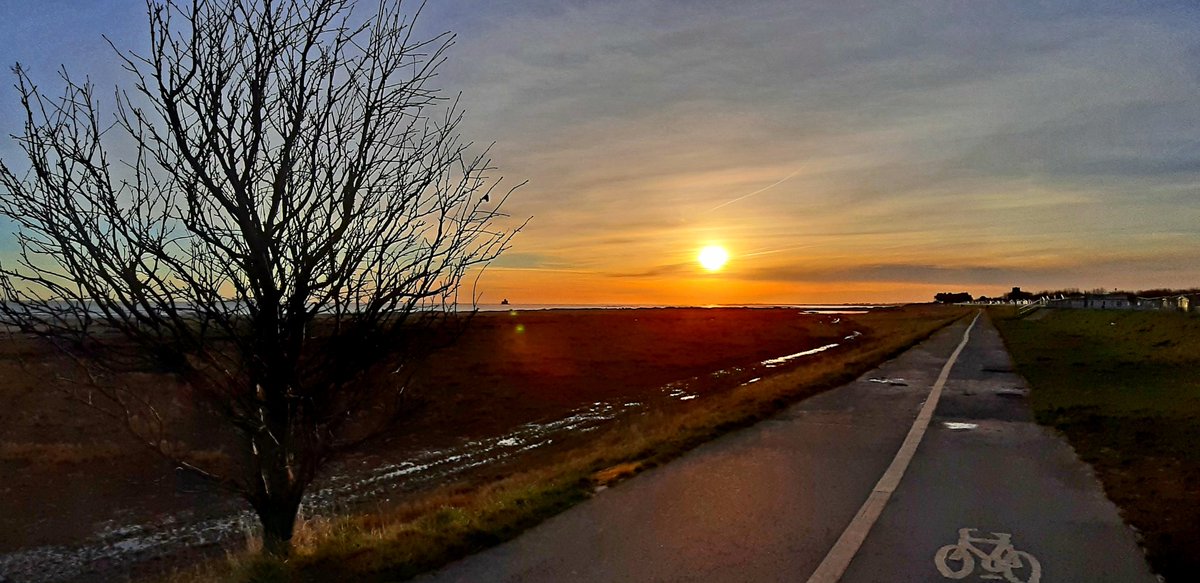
x=959 y=426
x=774 y=362
x=118 y=546
x=1010 y=393
x=725 y=372
x=676 y=390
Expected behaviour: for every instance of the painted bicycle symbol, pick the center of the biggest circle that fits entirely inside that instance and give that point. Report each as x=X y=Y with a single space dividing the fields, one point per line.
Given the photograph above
x=957 y=561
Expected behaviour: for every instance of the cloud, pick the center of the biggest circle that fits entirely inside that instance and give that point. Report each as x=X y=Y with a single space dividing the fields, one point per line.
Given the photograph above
x=519 y=260
x=658 y=271
x=1116 y=269
x=931 y=274
x=937 y=141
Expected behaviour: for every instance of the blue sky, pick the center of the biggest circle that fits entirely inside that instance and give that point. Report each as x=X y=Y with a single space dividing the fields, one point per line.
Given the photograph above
x=840 y=150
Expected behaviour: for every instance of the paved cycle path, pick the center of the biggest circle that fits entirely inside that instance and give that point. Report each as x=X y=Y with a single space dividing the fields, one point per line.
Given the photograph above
x=984 y=464
x=769 y=502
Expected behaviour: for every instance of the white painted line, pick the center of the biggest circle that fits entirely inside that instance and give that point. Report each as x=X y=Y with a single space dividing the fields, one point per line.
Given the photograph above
x=838 y=560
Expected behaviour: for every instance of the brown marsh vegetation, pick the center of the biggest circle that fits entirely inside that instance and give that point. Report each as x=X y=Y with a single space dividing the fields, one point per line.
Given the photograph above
x=70 y=470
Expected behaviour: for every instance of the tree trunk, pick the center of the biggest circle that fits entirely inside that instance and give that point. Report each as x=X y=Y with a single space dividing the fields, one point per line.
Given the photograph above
x=278 y=517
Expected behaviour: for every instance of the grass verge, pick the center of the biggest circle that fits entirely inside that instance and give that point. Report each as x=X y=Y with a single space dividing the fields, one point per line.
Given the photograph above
x=437 y=527
x=1122 y=387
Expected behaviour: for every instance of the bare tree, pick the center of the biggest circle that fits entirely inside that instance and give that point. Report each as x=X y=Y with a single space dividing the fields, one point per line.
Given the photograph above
x=274 y=210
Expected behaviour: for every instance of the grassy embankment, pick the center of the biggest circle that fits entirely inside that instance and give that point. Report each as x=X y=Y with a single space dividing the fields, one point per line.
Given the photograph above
x=1123 y=387
x=440 y=526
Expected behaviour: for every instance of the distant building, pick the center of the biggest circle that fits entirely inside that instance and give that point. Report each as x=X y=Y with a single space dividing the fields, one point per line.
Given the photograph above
x=1016 y=295
x=1118 y=301
x=1114 y=302
x=1096 y=302
x=1171 y=303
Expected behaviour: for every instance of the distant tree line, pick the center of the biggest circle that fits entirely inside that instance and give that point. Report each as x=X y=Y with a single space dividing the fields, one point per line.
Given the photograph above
x=952 y=298
x=1160 y=292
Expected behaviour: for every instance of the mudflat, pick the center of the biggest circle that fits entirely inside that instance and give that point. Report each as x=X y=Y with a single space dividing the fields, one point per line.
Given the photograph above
x=69 y=469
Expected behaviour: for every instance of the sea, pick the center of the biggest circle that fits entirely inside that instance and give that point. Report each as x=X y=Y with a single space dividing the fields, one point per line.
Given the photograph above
x=814 y=308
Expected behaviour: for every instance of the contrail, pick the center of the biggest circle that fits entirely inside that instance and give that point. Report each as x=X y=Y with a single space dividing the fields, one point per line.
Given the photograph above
x=768 y=187
x=773 y=251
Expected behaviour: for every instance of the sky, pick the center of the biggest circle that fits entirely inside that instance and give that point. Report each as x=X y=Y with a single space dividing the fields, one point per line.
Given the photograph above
x=841 y=151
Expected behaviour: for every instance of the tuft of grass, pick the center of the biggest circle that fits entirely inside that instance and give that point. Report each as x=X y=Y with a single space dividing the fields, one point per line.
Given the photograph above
x=1122 y=387
x=613 y=474
x=437 y=527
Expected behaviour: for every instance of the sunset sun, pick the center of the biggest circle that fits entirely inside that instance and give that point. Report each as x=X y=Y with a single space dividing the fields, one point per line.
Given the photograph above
x=713 y=257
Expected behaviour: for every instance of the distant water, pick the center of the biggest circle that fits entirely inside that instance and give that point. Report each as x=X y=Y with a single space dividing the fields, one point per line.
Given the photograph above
x=817 y=308
x=234 y=307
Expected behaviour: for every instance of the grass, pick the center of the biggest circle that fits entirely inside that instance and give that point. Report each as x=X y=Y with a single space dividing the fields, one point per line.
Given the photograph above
x=440 y=526
x=1123 y=388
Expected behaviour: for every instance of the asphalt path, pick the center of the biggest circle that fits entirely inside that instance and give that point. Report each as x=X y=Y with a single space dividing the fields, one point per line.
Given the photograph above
x=775 y=501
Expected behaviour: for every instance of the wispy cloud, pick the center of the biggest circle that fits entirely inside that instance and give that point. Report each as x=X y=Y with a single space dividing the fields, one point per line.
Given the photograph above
x=759 y=191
